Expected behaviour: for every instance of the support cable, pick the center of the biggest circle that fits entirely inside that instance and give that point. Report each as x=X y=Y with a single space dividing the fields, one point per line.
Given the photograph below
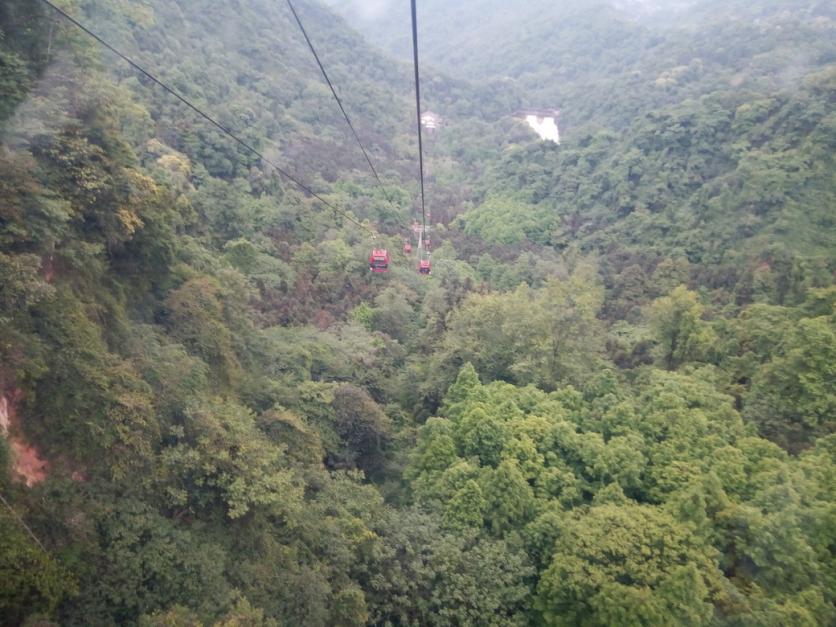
x=22 y=523
x=334 y=92
x=418 y=109
x=244 y=144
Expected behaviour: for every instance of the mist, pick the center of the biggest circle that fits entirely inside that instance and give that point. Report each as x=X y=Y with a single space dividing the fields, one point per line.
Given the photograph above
x=365 y=10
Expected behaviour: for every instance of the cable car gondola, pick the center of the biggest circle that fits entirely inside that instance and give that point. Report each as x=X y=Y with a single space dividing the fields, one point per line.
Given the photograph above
x=379 y=260
x=424 y=266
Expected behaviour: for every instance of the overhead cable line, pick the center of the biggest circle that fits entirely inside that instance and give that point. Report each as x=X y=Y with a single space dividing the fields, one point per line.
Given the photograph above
x=244 y=144
x=333 y=91
x=21 y=522
x=418 y=109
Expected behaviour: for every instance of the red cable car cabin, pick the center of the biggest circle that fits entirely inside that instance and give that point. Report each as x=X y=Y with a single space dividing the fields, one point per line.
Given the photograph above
x=424 y=266
x=379 y=260
x=407 y=248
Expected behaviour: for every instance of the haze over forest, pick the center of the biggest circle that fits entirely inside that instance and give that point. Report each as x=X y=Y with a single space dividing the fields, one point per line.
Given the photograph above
x=610 y=402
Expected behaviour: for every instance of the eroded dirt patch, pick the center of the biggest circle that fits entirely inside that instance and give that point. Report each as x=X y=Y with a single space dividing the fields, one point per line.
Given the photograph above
x=27 y=461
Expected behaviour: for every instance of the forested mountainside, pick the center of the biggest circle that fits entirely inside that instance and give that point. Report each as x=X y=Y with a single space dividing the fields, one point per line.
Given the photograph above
x=612 y=402
x=604 y=62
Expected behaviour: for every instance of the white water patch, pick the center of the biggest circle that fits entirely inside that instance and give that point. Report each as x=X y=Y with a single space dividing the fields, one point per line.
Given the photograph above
x=545 y=127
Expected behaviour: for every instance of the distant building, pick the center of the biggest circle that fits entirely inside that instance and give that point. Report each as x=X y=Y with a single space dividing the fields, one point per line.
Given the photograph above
x=544 y=122
x=431 y=121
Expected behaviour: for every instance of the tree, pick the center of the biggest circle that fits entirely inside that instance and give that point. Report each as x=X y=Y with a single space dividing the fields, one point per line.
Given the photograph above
x=793 y=397
x=482 y=435
x=435 y=452
x=364 y=429
x=394 y=314
x=466 y=383
x=242 y=614
x=572 y=333
x=33 y=581
x=218 y=456
x=627 y=565
x=507 y=220
x=141 y=562
x=547 y=337
x=510 y=499
x=680 y=331
x=90 y=402
x=466 y=509
x=490 y=331
x=195 y=316
x=426 y=575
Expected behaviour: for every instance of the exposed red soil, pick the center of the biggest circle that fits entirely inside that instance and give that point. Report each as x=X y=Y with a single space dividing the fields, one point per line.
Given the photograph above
x=27 y=461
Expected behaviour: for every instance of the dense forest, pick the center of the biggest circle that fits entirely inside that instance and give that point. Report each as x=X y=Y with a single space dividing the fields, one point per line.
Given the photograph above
x=613 y=402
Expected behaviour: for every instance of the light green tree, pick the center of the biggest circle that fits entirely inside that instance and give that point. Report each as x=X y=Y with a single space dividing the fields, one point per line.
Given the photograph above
x=626 y=565
x=466 y=509
x=510 y=499
x=680 y=331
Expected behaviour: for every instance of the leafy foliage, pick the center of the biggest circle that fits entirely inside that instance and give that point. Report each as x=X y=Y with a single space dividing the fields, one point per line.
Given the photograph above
x=611 y=403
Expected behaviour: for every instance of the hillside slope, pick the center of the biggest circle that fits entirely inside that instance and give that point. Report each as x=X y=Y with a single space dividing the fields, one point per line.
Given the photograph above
x=611 y=402
x=605 y=63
